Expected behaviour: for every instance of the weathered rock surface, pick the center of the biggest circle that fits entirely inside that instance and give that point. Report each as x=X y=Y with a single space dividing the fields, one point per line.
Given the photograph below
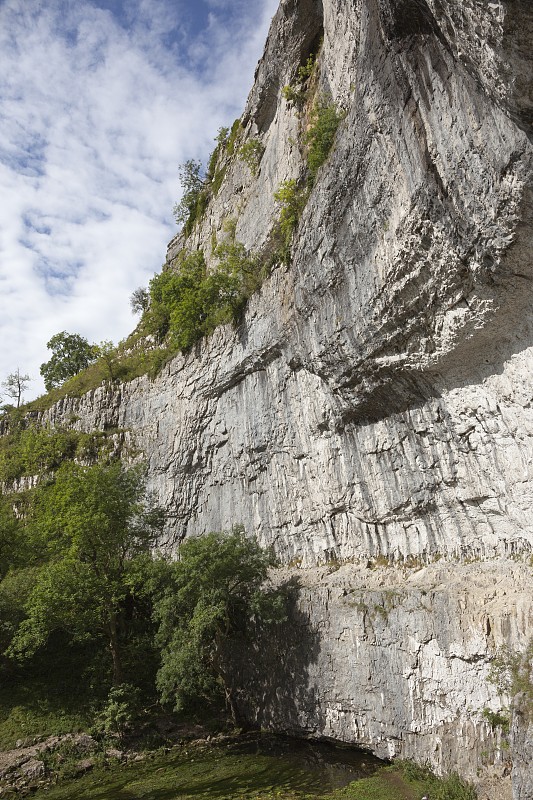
x=377 y=399
x=417 y=644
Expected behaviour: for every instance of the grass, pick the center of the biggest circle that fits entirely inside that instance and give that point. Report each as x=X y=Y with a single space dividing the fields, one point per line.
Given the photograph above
x=216 y=773
x=223 y=771
x=47 y=697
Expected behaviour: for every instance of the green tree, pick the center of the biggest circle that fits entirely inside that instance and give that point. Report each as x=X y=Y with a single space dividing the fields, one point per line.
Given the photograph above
x=188 y=302
x=108 y=356
x=217 y=587
x=192 y=182
x=96 y=524
x=71 y=354
x=15 y=385
x=139 y=300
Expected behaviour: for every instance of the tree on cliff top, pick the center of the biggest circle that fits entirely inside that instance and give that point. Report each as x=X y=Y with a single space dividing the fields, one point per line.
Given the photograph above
x=96 y=526
x=71 y=354
x=15 y=385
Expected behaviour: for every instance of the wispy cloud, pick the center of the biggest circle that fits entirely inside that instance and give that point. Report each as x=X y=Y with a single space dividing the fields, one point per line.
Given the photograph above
x=100 y=101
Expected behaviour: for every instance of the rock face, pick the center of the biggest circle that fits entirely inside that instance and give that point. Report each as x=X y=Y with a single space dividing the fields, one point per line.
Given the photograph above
x=397 y=659
x=376 y=401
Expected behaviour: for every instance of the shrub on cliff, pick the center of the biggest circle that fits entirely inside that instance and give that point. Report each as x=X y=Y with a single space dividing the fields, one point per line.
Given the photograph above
x=324 y=121
x=291 y=199
x=194 y=198
x=187 y=303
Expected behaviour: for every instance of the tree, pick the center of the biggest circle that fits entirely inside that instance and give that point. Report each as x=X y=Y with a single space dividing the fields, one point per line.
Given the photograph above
x=15 y=385
x=139 y=300
x=107 y=353
x=192 y=184
x=218 y=586
x=98 y=525
x=71 y=353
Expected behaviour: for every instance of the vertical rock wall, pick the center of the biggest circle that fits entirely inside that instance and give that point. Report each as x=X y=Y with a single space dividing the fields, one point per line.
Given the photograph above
x=376 y=402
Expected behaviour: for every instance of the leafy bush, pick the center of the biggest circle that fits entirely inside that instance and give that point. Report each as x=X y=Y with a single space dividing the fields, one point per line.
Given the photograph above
x=217 y=587
x=251 y=152
x=319 y=138
x=297 y=92
x=294 y=94
x=292 y=200
x=233 y=135
x=512 y=673
x=37 y=451
x=120 y=710
x=194 y=200
x=188 y=303
x=139 y=300
x=496 y=719
x=307 y=70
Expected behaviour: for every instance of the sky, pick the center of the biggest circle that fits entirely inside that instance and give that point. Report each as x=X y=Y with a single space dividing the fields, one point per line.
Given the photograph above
x=100 y=102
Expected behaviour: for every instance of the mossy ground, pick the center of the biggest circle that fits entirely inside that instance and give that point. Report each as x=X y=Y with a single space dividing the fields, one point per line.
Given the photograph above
x=213 y=772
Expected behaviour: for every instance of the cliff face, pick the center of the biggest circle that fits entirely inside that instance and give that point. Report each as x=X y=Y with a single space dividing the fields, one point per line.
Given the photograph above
x=376 y=401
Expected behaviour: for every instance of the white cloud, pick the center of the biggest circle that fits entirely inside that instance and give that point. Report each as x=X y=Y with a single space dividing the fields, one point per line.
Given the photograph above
x=96 y=113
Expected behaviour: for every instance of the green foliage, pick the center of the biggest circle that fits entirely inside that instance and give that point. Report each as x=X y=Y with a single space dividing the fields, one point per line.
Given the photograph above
x=292 y=200
x=215 y=175
x=452 y=787
x=217 y=587
x=139 y=300
x=108 y=357
x=222 y=136
x=232 y=138
x=93 y=524
x=320 y=136
x=293 y=94
x=307 y=70
x=38 y=450
x=120 y=710
x=194 y=199
x=16 y=585
x=218 y=179
x=71 y=354
x=251 y=152
x=512 y=673
x=188 y=303
x=497 y=720
x=246 y=269
x=296 y=93
x=53 y=694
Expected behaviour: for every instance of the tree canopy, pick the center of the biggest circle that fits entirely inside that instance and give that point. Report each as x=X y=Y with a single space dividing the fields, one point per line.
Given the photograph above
x=94 y=526
x=218 y=586
x=71 y=354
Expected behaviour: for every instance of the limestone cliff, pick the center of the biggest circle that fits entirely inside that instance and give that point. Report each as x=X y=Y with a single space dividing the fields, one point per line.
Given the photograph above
x=376 y=401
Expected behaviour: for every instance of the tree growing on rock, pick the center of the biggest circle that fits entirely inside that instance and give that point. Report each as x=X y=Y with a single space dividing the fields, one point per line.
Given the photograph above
x=71 y=353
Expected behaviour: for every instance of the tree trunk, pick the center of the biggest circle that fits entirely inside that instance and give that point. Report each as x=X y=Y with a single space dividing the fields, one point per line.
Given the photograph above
x=115 y=650
x=236 y=715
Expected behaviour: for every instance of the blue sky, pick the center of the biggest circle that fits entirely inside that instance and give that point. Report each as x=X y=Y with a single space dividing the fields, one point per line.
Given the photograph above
x=100 y=101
